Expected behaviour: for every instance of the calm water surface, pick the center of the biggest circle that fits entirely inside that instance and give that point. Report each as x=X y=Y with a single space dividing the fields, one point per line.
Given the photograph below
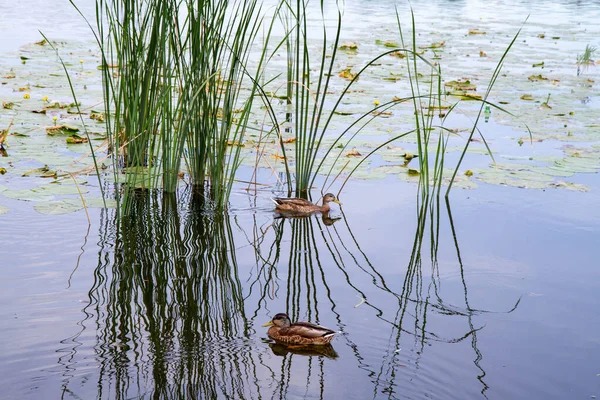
x=499 y=301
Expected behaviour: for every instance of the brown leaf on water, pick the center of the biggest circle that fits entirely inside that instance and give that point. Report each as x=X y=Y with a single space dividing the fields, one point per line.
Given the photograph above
x=382 y=114
x=435 y=45
x=61 y=130
x=476 y=32
x=289 y=140
x=537 y=78
x=44 y=172
x=350 y=48
x=482 y=53
x=76 y=139
x=97 y=116
x=461 y=85
x=347 y=73
x=353 y=153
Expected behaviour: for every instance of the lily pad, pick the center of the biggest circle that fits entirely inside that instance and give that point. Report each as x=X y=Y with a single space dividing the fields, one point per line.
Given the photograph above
x=57 y=207
x=62 y=130
x=93 y=202
x=60 y=188
x=26 y=195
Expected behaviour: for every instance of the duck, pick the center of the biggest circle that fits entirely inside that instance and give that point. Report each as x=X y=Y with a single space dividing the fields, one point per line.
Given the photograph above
x=299 y=333
x=303 y=206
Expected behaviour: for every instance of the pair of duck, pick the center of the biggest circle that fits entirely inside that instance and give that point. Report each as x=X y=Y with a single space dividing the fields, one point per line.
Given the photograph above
x=281 y=328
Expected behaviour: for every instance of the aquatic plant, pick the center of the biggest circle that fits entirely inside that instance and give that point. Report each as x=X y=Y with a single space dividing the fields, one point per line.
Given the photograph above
x=309 y=107
x=585 y=60
x=173 y=74
x=428 y=97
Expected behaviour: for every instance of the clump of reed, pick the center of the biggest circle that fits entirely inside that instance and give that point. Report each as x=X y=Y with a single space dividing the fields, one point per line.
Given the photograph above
x=175 y=90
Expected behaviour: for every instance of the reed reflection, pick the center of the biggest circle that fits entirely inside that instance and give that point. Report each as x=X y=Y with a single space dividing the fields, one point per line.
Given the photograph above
x=168 y=306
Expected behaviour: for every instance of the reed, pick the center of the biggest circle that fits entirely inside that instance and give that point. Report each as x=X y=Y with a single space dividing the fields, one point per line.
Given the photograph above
x=432 y=134
x=310 y=108
x=177 y=88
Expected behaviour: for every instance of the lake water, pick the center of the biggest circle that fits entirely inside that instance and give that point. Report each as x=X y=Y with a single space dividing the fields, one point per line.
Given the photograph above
x=501 y=304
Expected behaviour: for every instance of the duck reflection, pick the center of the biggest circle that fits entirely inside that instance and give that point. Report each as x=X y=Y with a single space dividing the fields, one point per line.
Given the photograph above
x=318 y=351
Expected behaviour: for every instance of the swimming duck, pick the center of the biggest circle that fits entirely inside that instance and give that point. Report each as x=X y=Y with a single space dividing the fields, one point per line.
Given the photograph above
x=303 y=206
x=299 y=333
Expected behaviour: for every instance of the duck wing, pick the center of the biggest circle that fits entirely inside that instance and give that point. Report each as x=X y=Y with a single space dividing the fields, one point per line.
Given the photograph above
x=307 y=330
x=291 y=201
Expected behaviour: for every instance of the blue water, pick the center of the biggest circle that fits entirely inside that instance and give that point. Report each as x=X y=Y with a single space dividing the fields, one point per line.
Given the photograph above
x=502 y=303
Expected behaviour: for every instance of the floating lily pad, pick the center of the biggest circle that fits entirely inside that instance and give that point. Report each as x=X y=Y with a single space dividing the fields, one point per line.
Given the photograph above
x=368 y=175
x=93 y=202
x=62 y=130
x=387 y=43
x=60 y=188
x=57 y=207
x=27 y=195
x=461 y=85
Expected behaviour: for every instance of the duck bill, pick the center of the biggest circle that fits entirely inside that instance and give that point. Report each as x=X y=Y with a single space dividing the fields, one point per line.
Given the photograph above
x=270 y=323
x=337 y=201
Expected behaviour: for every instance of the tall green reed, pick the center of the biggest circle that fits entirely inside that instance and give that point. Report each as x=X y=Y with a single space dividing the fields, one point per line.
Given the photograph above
x=427 y=97
x=218 y=89
x=177 y=88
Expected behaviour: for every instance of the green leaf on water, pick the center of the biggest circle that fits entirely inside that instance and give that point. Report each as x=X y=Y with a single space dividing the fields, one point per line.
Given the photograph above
x=92 y=202
x=387 y=43
x=60 y=188
x=537 y=78
x=461 y=85
x=26 y=195
x=61 y=130
x=3 y=209
x=57 y=207
x=43 y=172
x=368 y=175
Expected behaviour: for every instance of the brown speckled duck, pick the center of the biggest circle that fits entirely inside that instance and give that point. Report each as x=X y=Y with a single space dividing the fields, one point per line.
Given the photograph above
x=303 y=206
x=299 y=333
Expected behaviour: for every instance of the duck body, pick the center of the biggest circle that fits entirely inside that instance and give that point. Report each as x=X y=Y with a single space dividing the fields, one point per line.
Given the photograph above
x=303 y=206
x=299 y=333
